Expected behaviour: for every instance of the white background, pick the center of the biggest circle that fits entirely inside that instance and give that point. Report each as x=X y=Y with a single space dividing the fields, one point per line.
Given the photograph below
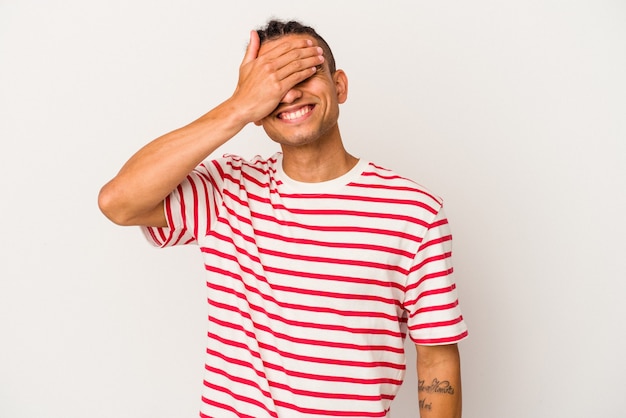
x=514 y=112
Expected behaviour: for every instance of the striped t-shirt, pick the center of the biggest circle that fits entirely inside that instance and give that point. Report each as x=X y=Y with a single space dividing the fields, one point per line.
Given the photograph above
x=312 y=287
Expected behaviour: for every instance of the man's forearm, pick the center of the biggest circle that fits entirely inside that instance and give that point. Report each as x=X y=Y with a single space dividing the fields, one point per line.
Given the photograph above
x=439 y=382
x=156 y=169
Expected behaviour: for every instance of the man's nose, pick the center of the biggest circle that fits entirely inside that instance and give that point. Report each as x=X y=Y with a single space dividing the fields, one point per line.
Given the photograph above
x=292 y=95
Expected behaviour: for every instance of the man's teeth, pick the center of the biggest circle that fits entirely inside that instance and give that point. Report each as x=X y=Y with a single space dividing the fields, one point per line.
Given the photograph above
x=297 y=114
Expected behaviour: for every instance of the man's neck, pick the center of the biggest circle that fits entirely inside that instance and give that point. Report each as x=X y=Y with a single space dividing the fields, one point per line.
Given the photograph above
x=313 y=165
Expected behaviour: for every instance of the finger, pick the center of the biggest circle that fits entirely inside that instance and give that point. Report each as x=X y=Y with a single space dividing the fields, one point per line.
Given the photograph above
x=280 y=49
x=298 y=77
x=307 y=64
x=252 y=51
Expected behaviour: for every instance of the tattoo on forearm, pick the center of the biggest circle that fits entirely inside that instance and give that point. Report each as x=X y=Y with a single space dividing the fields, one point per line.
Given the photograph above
x=436 y=386
x=425 y=405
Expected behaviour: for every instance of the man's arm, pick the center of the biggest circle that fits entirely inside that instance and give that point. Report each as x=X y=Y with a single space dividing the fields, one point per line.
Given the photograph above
x=135 y=195
x=439 y=381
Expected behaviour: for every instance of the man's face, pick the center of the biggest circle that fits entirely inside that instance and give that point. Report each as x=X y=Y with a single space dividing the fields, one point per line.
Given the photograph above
x=309 y=111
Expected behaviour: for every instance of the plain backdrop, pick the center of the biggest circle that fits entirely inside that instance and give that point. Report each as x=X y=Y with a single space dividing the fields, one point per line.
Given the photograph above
x=513 y=112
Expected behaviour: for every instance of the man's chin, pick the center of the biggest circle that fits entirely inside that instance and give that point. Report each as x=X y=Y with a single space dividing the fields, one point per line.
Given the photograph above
x=296 y=139
x=293 y=142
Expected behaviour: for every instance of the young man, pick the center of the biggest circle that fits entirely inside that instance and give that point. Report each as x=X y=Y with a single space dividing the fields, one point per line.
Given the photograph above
x=318 y=263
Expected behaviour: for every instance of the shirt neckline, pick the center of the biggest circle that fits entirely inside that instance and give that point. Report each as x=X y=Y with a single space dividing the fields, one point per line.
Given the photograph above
x=319 y=187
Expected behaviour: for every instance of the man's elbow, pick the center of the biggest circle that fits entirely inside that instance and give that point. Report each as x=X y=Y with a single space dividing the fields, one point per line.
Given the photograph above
x=112 y=207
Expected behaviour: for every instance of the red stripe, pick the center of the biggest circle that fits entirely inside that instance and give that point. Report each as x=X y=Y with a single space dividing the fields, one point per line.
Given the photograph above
x=330 y=277
x=270 y=348
x=282 y=386
x=327 y=244
x=438 y=257
x=408 y=202
x=306 y=274
x=306 y=341
x=434 y=275
x=194 y=192
x=331 y=295
x=435 y=242
x=328 y=395
x=245 y=176
x=247 y=164
x=170 y=221
x=290 y=240
x=437 y=291
x=338 y=261
x=209 y=207
x=152 y=231
x=279 y=368
x=302 y=324
x=164 y=239
x=354 y=229
x=218 y=167
x=437 y=341
x=299 y=307
x=330 y=413
x=223 y=407
x=238 y=397
x=432 y=292
x=392 y=187
x=437 y=324
x=436 y=308
x=183 y=215
x=238 y=379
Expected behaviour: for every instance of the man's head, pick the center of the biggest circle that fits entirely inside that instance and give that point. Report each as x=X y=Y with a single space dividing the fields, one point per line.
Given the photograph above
x=276 y=29
x=309 y=110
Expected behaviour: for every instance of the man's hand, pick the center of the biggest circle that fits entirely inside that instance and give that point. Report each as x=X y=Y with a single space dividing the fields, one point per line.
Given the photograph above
x=265 y=79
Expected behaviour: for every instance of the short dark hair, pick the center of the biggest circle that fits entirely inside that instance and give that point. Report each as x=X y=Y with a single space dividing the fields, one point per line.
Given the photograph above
x=277 y=28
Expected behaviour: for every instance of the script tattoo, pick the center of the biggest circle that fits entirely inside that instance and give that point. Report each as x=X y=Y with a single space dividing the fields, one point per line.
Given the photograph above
x=435 y=387
x=425 y=406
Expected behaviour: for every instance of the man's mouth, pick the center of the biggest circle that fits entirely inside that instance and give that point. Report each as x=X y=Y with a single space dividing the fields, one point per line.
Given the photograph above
x=295 y=114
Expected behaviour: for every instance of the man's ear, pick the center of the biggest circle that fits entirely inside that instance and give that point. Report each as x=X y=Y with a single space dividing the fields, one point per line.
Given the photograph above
x=341 y=85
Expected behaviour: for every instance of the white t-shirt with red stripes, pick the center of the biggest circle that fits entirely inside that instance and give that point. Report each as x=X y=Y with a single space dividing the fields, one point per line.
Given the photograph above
x=312 y=287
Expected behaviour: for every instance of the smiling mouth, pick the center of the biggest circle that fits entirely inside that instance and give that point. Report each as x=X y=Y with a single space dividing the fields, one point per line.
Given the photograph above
x=296 y=114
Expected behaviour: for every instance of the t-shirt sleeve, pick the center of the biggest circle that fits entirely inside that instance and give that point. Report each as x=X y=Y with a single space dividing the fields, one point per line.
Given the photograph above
x=190 y=209
x=434 y=315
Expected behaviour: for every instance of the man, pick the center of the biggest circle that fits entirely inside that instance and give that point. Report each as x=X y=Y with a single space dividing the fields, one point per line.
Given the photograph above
x=318 y=263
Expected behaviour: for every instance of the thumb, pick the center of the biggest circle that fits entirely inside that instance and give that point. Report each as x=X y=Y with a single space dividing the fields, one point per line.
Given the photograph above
x=252 y=51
